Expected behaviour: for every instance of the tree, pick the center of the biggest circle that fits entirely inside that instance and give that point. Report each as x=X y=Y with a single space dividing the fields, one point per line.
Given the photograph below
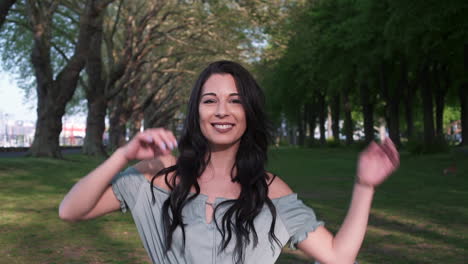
x=160 y=46
x=5 y=6
x=54 y=93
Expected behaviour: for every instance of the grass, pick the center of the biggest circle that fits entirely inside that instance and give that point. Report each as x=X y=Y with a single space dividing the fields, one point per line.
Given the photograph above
x=419 y=215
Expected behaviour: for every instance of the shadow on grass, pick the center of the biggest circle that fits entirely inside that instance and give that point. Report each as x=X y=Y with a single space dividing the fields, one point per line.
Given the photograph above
x=31 y=231
x=50 y=242
x=417 y=230
x=419 y=214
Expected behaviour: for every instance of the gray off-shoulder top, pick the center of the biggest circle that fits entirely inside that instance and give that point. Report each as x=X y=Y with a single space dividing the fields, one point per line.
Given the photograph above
x=294 y=221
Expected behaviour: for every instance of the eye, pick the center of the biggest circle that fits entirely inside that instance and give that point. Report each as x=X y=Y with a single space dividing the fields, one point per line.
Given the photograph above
x=208 y=101
x=236 y=101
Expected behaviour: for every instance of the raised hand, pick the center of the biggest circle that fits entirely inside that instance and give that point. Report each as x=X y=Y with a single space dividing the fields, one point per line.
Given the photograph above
x=377 y=162
x=149 y=144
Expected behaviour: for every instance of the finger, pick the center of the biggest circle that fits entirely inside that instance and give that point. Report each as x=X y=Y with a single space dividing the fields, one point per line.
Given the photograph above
x=173 y=138
x=144 y=138
x=160 y=142
x=396 y=154
x=154 y=140
x=390 y=152
x=148 y=139
x=389 y=143
x=382 y=134
x=166 y=135
x=167 y=138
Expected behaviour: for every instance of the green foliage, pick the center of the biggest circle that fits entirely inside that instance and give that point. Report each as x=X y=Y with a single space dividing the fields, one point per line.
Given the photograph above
x=451 y=113
x=333 y=143
x=335 y=45
x=16 y=41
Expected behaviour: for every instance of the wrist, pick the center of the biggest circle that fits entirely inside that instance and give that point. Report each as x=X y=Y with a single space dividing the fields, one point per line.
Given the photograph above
x=361 y=184
x=120 y=154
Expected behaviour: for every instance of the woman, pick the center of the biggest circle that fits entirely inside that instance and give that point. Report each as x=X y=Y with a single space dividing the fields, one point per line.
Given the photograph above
x=216 y=203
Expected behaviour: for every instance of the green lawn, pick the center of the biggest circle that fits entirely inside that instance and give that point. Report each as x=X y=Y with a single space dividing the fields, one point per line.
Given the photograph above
x=419 y=215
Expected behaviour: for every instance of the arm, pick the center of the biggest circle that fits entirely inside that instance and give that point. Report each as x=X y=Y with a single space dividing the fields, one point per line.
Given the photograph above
x=92 y=196
x=93 y=191
x=376 y=163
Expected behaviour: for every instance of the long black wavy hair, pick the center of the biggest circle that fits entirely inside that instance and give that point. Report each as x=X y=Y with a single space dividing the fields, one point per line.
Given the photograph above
x=249 y=171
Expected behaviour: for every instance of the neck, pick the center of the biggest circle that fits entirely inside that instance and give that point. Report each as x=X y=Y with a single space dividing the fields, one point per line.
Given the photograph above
x=223 y=158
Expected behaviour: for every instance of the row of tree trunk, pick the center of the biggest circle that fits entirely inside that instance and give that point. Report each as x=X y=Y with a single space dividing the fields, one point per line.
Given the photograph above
x=433 y=82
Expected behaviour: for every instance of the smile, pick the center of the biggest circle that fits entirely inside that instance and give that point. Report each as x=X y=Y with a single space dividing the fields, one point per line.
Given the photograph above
x=222 y=127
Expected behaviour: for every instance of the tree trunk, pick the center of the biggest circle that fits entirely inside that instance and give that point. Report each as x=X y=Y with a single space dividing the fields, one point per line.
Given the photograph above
x=136 y=123
x=368 y=113
x=463 y=96
x=311 y=120
x=392 y=105
x=96 y=99
x=49 y=116
x=394 y=116
x=54 y=94
x=5 y=6
x=95 y=126
x=408 y=92
x=117 y=123
x=300 y=127
x=322 y=116
x=48 y=128
x=426 y=95
x=117 y=131
x=347 y=108
x=441 y=80
x=348 y=122
x=292 y=135
x=335 y=109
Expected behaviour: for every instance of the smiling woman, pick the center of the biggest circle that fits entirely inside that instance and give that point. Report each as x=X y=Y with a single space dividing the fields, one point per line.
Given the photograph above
x=222 y=116
x=216 y=203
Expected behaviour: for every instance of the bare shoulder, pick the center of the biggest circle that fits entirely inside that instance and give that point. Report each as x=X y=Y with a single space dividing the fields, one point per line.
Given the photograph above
x=149 y=168
x=277 y=187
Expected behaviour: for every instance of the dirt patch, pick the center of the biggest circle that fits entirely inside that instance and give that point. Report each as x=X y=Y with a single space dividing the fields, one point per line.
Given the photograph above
x=73 y=252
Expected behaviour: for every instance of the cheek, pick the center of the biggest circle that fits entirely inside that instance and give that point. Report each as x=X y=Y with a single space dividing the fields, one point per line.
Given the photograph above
x=203 y=117
x=201 y=114
x=241 y=117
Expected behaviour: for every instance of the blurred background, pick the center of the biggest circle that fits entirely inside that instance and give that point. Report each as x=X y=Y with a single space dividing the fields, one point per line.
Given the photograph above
x=337 y=74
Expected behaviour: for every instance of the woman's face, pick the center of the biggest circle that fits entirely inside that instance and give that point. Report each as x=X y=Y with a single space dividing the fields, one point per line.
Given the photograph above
x=222 y=116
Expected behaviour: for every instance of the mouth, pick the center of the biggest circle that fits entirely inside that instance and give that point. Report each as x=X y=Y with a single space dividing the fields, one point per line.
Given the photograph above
x=223 y=127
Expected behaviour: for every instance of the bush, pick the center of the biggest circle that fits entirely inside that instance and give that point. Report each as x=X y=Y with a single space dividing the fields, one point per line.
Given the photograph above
x=417 y=146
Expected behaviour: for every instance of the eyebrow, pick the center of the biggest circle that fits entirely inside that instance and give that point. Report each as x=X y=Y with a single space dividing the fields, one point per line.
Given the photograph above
x=214 y=94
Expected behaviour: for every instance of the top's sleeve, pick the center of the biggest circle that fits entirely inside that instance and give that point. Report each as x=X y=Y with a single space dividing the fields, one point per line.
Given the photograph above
x=298 y=218
x=126 y=186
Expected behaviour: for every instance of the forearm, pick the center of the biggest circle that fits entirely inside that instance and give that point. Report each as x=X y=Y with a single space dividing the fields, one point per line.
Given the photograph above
x=348 y=240
x=84 y=195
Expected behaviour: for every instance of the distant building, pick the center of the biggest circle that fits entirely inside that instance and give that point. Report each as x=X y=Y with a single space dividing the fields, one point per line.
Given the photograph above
x=72 y=134
x=16 y=133
x=19 y=133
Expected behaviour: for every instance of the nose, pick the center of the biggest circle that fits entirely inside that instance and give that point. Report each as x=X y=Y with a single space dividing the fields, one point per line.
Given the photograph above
x=221 y=110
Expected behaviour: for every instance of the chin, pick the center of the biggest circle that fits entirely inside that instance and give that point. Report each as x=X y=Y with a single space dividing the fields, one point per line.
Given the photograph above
x=223 y=144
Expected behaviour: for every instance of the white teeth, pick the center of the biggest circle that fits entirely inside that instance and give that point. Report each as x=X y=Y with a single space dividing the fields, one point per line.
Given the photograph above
x=223 y=126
